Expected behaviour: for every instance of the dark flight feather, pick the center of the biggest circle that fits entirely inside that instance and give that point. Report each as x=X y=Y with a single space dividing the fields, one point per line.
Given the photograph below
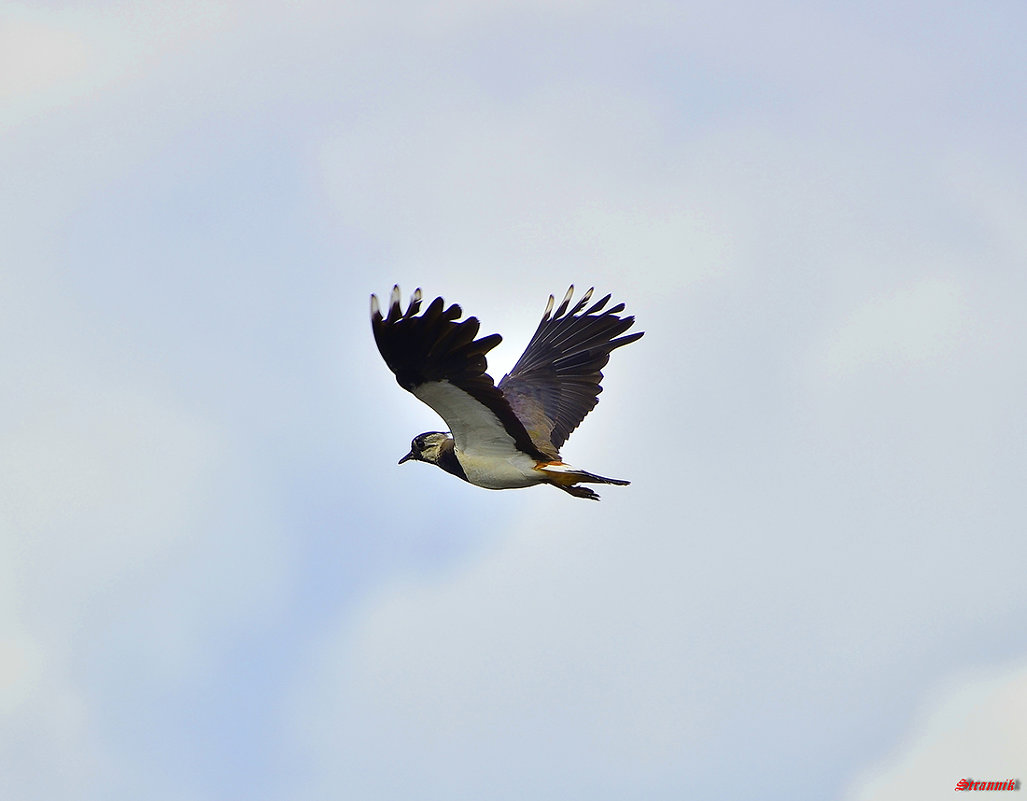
x=435 y=347
x=556 y=382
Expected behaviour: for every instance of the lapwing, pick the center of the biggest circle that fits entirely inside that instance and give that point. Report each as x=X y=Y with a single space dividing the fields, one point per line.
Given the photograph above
x=510 y=435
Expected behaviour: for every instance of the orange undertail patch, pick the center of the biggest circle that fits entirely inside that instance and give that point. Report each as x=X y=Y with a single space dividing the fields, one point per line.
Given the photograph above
x=559 y=473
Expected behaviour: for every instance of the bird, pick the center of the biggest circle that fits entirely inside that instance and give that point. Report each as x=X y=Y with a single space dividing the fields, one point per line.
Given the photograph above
x=508 y=435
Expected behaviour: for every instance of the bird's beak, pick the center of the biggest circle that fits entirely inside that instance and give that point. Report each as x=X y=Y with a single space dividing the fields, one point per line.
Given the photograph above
x=406 y=458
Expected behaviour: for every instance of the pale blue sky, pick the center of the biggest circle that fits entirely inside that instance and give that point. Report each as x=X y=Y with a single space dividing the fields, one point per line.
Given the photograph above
x=216 y=582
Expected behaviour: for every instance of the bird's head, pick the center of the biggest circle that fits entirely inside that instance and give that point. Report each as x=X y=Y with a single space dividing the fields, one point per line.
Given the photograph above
x=426 y=447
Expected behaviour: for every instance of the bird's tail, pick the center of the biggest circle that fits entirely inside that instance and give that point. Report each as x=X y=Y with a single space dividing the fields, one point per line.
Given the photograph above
x=584 y=477
x=565 y=477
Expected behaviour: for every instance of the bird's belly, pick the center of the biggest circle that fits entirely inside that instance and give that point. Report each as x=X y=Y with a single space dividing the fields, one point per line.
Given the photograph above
x=499 y=471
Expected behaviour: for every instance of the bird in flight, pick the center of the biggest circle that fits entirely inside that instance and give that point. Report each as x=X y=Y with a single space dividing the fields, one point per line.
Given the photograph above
x=510 y=435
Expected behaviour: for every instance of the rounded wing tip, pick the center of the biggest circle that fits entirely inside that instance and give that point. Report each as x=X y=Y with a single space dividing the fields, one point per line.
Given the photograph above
x=394 y=311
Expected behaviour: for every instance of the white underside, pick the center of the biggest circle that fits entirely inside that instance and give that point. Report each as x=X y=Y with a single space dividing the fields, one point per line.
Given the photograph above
x=486 y=451
x=496 y=472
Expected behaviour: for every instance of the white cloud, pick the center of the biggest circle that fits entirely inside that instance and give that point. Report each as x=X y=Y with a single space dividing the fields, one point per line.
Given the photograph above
x=101 y=489
x=110 y=503
x=52 y=58
x=528 y=174
x=536 y=651
x=970 y=727
x=35 y=56
x=904 y=326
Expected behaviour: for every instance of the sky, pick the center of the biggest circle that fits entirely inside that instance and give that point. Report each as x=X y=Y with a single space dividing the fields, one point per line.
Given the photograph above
x=215 y=581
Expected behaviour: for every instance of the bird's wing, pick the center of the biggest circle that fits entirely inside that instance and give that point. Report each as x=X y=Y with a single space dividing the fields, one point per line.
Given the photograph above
x=556 y=382
x=439 y=360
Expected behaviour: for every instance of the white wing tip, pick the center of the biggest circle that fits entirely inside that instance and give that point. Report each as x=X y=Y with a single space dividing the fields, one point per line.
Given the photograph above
x=394 y=299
